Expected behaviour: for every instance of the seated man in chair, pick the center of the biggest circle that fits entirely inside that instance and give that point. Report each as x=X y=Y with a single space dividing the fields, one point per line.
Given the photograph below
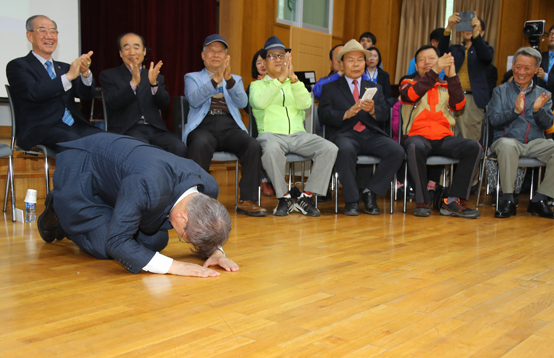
x=135 y=95
x=427 y=127
x=44 y=90
x=519 y=113
x=278 y=103
x=214 y=122
x=353 y=125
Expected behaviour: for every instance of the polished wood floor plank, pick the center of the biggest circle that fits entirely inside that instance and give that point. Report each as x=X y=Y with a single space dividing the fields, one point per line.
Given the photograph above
x=332 y=286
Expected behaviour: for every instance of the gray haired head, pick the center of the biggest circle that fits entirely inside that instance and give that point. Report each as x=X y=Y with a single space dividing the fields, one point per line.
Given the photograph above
x=30 y=23
x=530 y=52
x=208 y=224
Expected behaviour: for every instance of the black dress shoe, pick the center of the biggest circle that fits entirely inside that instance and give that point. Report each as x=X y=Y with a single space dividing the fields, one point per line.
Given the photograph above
x=48 y=224
x=541 y=209
x=506 y=209
x=351 y=209
x=370 y=203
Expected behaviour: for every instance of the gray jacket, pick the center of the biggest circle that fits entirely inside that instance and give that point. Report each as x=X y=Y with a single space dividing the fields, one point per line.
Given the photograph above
x=507 y=123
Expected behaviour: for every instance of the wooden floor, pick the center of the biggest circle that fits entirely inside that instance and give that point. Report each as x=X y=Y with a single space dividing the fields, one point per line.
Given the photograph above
x=333 y=286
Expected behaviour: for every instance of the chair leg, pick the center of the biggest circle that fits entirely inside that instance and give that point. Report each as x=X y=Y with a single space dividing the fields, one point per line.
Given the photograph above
x=532 y=182
x=7 y=188
x=405 y=183
x=303 y=166
x=392 y=186
x=395 y=188
x=497 y=188
x=290 y=176
x=47 y=173
x=481 y=177
x=336 y=175
x=11 y=179
x=259 y=195
x=236 y=184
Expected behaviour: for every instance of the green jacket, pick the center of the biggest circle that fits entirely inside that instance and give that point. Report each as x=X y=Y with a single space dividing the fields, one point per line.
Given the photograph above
x=279 y=107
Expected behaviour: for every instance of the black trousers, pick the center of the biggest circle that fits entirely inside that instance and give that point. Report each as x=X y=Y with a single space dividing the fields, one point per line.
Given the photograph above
x=61 y=132
x=160 y=138
x=351 y=144
x=468 y=151
x=221 y=133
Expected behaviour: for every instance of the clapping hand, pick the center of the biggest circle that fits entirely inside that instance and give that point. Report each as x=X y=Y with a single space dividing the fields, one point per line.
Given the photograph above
x=520 y=102
x=84 y=64
x=153 y=73
x=541 y=101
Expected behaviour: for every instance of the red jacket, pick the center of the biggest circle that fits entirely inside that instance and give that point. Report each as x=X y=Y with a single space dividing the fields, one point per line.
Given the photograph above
x=428 y=101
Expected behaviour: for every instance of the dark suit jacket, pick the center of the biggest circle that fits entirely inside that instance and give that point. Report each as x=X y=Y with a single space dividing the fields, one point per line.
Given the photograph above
x=383 y=79
x=544 y=64
x=336 y=99
x=124 y=107
x=479 y=57
x=126 y=184
x=40 y=101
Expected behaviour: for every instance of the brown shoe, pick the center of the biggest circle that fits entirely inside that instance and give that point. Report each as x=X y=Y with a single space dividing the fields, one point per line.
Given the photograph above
x=250 y=208
x=267 y=189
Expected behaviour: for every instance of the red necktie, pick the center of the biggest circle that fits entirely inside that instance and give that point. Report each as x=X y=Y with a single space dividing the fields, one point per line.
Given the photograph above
x=359 y=126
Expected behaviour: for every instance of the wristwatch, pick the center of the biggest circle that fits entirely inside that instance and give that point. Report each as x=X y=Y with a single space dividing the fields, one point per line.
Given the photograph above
x=218 y=247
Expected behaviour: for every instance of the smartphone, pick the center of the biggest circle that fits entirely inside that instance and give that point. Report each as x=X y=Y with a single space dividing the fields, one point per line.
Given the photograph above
x=465 y=21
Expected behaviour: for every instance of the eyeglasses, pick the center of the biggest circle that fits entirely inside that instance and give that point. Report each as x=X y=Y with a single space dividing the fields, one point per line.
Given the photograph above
x=43 y=31
x=551 y=34
x=273 y=57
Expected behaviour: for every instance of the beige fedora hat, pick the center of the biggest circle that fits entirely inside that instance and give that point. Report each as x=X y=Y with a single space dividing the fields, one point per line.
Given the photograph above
x=351 y=46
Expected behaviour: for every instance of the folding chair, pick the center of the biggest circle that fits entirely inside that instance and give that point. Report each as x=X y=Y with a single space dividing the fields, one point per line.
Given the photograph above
x=523 y=162
x=39 y=149
x=431 y=160
x=217 y=156
x=291 y=158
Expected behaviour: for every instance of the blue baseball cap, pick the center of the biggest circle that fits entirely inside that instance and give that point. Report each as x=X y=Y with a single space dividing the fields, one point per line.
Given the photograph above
x=215 y=38
x=274 y=43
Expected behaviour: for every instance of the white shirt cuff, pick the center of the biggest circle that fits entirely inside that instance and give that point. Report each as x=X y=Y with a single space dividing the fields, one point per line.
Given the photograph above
x=159 y=264
x=86 y=80
x=66 y=83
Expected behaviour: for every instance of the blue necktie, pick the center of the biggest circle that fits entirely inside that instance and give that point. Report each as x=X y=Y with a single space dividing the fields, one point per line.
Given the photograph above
x=67 y=119
x=551 y=61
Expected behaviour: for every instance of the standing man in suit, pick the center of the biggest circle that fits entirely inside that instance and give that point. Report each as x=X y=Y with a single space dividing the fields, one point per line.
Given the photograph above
x=471 y=58
x=43 y=90
x=135 y=95
x=214 y=121
x=116 y=197
x=546 y=70
x=353 y=125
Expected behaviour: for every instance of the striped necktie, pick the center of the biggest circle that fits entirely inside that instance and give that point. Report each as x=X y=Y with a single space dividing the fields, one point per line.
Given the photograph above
x=67 y=119
x=550 y=61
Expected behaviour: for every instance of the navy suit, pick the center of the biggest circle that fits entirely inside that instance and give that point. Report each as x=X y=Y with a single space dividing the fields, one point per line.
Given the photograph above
x=544 y=64
x=336 y=99
x=40 y=102
x=125 y=108
x=113 y=194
